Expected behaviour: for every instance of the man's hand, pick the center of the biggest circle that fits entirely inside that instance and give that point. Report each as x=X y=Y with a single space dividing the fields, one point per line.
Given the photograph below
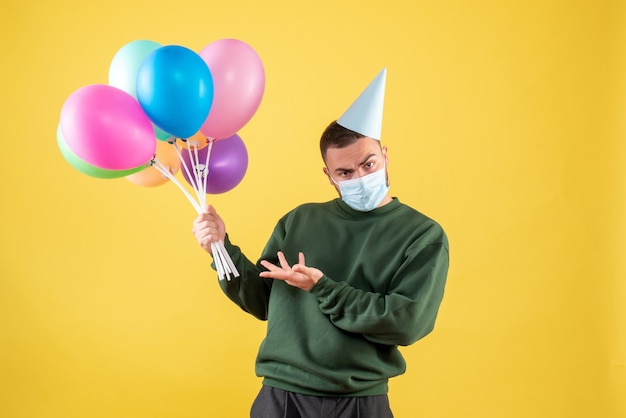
x=298 y=275
x=209 y=227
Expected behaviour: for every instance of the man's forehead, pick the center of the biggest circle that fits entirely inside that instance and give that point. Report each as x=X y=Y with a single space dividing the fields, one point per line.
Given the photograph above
x=357 y=153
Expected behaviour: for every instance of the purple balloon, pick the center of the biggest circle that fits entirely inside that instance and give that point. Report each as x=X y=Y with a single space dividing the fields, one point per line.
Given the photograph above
x=228 y=163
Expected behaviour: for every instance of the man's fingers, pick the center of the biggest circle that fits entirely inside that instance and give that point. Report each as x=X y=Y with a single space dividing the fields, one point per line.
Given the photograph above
x=268 y=265
x=283 y=261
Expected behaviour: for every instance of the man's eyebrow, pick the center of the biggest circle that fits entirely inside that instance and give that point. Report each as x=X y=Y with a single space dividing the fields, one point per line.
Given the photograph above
x=350 y=170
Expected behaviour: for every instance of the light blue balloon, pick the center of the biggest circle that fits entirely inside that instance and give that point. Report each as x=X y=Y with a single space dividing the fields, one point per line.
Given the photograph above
x=125 y=64
x=160 y=134
x=123 y=71
x=175 y=90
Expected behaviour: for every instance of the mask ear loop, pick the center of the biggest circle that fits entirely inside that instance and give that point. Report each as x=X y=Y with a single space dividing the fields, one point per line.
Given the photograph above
x=383 y=151
x=327 y=172
x=333 y=180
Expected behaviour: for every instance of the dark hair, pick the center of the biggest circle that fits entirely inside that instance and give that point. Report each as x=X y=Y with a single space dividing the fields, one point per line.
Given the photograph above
x=336 y=136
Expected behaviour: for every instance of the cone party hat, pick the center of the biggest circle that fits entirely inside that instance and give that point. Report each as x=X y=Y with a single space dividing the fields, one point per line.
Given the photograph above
x=365 y=115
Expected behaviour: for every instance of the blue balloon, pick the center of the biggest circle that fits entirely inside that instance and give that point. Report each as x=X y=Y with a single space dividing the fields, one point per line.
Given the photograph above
x=175 y=90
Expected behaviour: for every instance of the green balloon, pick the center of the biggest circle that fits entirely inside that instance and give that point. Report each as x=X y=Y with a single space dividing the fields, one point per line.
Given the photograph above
x=89 y=169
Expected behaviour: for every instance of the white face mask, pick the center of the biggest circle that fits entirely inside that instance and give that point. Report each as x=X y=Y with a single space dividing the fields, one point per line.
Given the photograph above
x=364 y=193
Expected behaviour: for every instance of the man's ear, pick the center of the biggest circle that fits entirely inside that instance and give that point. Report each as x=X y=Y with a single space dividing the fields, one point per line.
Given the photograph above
x=325 y=170
x=385 y=154
x=330 y=180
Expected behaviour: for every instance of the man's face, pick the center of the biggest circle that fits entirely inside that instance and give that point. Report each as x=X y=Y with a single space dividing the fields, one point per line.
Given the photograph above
x=357 y=160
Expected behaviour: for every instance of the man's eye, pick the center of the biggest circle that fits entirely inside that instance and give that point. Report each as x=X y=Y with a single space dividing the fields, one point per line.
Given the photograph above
x=369 y=164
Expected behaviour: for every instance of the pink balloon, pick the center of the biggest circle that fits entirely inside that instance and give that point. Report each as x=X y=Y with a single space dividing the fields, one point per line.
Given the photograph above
x=107 y=128
x=238 y=83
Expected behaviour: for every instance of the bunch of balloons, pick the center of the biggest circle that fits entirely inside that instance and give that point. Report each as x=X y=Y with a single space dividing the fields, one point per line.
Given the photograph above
x=167 y=109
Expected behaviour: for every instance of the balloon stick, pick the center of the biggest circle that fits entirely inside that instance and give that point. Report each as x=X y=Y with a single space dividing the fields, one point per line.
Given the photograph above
x=206 y=167
x=223 y=263
x=189 y=176
x=197 y=172
x=170 y=176
x=218 y=262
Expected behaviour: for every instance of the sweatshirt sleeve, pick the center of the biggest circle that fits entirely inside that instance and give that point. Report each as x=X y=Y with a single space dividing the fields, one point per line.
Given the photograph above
x=249 y=291
x=403 y=315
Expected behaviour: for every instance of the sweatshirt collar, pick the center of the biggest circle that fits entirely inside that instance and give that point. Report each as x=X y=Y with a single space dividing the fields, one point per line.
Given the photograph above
x=357 y=214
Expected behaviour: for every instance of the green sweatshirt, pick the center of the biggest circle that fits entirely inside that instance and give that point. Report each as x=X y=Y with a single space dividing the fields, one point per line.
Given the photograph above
x=384 y=276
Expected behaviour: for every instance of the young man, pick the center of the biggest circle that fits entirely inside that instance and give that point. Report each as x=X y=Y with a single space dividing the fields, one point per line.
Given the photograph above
x=341 y=283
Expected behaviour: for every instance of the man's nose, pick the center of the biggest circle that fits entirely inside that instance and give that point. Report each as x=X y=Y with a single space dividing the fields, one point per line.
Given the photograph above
x=359 y=173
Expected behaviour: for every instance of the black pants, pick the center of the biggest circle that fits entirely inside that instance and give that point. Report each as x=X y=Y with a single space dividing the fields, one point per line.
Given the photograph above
x=276 y=403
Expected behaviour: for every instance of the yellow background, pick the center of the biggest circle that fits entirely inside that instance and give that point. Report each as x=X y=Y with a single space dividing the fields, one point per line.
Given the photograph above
x=505 y=121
